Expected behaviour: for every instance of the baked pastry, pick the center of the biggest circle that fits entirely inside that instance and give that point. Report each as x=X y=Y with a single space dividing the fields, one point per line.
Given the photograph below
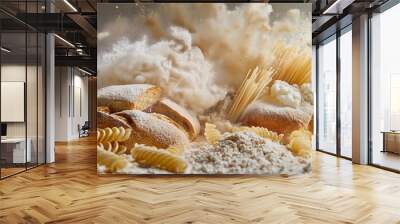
x=179 y=114
x=283 y=109
x=104 y=109
x=276 y=118
x=106 y=120
x=154 y=129
x=128 y=97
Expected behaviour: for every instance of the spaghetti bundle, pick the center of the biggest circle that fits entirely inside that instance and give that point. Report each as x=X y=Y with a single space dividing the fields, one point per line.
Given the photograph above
x=292 y=65
x=251 y=88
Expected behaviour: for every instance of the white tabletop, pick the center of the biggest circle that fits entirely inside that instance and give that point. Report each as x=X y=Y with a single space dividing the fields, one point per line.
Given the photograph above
x=12 y=140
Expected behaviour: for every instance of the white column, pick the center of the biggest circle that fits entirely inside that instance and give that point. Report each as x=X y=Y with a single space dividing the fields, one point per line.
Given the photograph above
x=50 y=99
x=360 y=90
x=50 y=92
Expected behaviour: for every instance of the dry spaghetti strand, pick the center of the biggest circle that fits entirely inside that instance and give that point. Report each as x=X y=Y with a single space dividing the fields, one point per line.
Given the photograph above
x=292 y=65
x=251 y=88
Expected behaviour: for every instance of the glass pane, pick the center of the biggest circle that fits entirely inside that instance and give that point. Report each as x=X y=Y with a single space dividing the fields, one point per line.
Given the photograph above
x=346 y=94
x=41 y=99
x=385 y=85
x=31 y=98
x=327 y=97
x=13 y=86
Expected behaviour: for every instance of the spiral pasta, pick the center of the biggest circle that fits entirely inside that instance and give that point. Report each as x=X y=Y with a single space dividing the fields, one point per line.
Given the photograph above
x=110 y=160
x=260 y=131
x=162 y=159
x=114 y=147
x=211 y=133
x=175 y=149
x=115 y=134
x=300 y=143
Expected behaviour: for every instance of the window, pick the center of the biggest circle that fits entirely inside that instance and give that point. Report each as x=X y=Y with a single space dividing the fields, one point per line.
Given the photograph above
x=346 y=93
x=22 y=75
x=385 y=89
x=326 y=107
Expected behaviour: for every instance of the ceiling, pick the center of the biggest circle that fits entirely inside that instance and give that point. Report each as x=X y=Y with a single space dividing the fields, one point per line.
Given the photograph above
x=75 y=23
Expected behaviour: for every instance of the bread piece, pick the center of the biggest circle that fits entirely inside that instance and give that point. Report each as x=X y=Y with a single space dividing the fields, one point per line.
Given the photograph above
x=106 y=120
x=179 y=114
x=127 y=97
x=283 y=120
x=152 y=130
x=103 y=109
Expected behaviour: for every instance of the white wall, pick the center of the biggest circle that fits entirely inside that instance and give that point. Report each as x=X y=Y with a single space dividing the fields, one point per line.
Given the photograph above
x=69 y=82
x=79 y=117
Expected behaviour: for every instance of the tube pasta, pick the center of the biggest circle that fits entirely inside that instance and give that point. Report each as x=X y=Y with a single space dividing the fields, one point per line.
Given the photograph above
x=162 y=159
x=260 y=131
x=115 y=134
x=211 y=133
x=300 y=143
x=110 y=160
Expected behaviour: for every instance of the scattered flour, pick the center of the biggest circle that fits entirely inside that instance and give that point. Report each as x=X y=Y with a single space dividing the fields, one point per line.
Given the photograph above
x=244 y=153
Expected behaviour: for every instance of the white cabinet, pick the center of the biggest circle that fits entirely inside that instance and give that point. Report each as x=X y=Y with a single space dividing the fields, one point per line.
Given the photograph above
x=13 y=150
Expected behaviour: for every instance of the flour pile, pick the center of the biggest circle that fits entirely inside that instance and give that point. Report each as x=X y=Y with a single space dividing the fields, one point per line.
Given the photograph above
x=244 y=153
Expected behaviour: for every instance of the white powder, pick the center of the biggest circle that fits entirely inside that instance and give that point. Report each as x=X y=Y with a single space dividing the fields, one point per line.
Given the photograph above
x=286 y=94
x=123 y=92
x=244 y=153
x=308 y=94
x=182 y=71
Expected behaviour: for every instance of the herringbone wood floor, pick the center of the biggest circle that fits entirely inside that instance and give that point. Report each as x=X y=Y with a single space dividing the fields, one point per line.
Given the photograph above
x=70 y=191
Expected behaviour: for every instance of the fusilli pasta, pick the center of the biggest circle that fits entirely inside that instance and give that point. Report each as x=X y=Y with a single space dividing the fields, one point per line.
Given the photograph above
x=159 y=158
x=300 y=143
x=114 y=147
x=110 y=160
x=115 y=134
x=260 y=131
x=175 y=149
x=211 y=133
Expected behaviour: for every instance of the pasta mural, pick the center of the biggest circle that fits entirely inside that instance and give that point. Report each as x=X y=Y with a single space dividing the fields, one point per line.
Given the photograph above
x=204 y=88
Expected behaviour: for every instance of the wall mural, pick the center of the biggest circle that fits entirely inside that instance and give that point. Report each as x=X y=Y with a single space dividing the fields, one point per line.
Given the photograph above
x=208 y=88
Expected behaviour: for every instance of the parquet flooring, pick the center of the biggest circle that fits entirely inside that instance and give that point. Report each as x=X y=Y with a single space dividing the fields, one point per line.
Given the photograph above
x=70 y=191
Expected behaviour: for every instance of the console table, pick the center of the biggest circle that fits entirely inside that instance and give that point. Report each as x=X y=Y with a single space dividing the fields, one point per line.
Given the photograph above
x=13 y=150
x=391 y=141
